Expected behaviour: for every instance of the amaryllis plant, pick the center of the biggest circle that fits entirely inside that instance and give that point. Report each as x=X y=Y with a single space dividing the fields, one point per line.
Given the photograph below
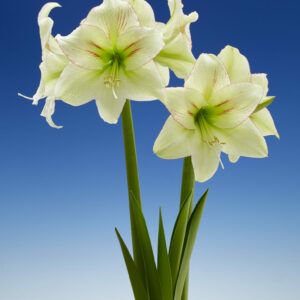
x=120 y=53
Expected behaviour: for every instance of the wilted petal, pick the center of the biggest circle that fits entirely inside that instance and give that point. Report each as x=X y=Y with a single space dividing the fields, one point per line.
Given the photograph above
x=264 y=122
x=243 y=140
x=236 y=64
x=140 y=45
x=173 y=141
x=205 y=158
x=84 y=46
x=177 y=55
x=208 y=74
x=233 y=104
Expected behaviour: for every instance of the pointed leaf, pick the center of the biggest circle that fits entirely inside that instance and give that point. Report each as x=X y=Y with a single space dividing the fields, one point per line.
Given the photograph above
x=138 y=288
x=266 y=102
x=191 y=233
x=163 y=263
x=178 y=235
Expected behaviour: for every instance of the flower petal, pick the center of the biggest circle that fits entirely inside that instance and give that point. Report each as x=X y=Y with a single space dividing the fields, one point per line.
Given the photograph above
x=243 y=140
x=46 y=23
x=236 y=64
x=181 y=104
x=77 y=86
x=164 y=73
x=113 y=16
x=208 y=74
x=261 y=79
x=264 y=122
x=144 y=12
x=142 y=84
x=48 y=111
x=205 y=158
x=140 y=45
x=233 y=158
x=233 y=104
x=84 y=46
x=173 y=141
x=177 y=55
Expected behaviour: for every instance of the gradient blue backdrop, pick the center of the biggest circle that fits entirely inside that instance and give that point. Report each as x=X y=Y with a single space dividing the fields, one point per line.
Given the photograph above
x=63 y=191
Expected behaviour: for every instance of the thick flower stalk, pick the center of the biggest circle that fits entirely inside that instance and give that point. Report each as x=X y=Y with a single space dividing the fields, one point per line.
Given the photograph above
x=111 y=58
x=238 y=70
x=53 y=63
x=210 y=115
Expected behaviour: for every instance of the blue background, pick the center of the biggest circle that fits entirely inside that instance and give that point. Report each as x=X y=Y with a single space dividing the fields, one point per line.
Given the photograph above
x=63 y=191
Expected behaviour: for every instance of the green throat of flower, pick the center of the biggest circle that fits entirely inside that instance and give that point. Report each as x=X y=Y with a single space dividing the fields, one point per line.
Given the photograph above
x=114 y=62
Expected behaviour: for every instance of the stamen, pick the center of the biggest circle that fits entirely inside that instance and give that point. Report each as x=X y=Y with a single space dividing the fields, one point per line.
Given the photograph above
x=23 y=96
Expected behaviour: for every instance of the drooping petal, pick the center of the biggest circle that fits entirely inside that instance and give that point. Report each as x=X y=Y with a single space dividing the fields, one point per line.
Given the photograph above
x=109 y=107
x=208 y=74
x=233 y=104
x=113 y=16
x=183 y=103
x=236 y=64
x=46 y=23
x=243 y=140
x=77 y=86
x=142 y=84
x=84 y=46
x=173 y=141
x=140 y=45
x=48 y=111
x=261 y=79
x=205 y=158
x=144 y=12
x=264 y=122
x=177 y=55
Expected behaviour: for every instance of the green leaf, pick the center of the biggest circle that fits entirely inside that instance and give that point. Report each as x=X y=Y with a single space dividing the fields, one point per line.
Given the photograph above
x=138 y=288
x=163 y=263
x=191 y=233
x=266 y=102
x=145 y=246
x=178 y=235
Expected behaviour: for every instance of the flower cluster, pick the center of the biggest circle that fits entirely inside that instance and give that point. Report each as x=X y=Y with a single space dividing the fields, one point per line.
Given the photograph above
x=119 y=51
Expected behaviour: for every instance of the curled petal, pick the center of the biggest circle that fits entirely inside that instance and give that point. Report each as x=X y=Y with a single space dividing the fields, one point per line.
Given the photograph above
x=48 y=111
x=173 y=141
x=236 y=64
x=208 y=75
x=233 y=158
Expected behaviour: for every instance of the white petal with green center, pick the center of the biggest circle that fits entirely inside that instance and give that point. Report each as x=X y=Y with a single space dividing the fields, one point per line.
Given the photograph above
x=114 y=17
x=233 y=104
x=173 y=141
x=264 y=122
x=143 y=84
x=87 y=46
x=208 y=74
x=243 y=140
x=177 y=55
x=183 y=104
x=139 y=45
x=261 y=79
x=236 y=64
x=205 y=158
x=144 y=12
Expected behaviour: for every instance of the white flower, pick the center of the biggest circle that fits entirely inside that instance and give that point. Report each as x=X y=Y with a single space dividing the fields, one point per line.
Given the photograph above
x=111 y=58
x=53 y=63
x=238 y=70
x=210 y=115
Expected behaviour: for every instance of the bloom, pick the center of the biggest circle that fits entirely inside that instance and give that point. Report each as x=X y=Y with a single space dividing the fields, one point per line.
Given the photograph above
x=210 y=115
x=53 y=63
x=238 y=70
x=111 y=57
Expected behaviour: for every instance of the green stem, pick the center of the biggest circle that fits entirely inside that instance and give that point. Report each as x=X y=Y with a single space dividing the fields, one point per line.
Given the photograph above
x=187 y=186
x=131 y=164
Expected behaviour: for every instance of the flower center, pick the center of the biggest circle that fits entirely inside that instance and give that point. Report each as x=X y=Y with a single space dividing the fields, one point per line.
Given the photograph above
x=115 y=61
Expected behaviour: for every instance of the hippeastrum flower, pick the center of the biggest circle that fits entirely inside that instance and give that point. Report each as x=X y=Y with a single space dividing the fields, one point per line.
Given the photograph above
x=53 y=63
x=210 y=115
x=238 y=70
x=111 y=58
